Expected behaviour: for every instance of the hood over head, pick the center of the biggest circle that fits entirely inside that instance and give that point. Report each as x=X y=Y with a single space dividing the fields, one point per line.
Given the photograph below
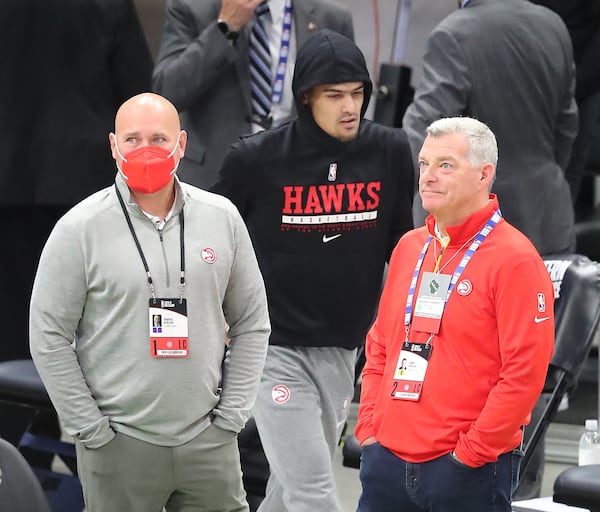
x=329 y=58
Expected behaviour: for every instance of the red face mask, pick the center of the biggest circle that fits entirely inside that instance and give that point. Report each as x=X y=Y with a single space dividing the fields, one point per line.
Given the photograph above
x=147 y=169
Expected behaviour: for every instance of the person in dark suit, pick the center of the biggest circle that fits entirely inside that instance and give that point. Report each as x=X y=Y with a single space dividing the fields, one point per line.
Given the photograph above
x=203 y=68
x=68 y=65
x=582 y=18
x=510 y=65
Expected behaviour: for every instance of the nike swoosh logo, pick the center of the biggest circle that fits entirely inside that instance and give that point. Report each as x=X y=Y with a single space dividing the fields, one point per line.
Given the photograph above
x=538 y=320
x=330 y=238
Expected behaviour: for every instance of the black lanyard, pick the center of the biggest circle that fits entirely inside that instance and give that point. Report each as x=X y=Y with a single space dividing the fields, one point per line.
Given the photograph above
x=141 y=253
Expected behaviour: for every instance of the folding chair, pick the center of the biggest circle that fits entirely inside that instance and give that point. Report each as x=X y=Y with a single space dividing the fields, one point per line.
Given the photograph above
x=576 y=281
x=21 y=386
x=20 y=490
x=579 y=486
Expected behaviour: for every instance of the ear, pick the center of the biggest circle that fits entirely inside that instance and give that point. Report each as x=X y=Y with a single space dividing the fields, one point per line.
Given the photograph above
x=182 y=143
x=305 y=98
x=112 y=140
x=488 y=171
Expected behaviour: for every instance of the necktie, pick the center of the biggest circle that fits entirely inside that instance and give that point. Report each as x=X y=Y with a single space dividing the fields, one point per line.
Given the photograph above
x=260 y=68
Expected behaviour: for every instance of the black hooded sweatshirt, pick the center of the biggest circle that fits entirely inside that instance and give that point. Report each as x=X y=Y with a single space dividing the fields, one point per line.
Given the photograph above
x=324 y=215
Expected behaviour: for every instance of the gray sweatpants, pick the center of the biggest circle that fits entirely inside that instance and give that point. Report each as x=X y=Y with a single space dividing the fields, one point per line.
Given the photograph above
x=203 y=475
x=300 y=411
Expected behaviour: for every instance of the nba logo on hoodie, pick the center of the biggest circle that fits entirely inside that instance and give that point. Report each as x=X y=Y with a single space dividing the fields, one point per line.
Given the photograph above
x=332 y=172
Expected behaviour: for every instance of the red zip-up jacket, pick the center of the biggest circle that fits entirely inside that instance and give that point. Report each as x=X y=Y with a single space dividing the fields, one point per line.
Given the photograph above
x=489 y=358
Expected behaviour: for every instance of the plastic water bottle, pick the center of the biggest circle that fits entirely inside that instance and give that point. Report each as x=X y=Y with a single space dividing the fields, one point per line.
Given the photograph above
x=589 y=444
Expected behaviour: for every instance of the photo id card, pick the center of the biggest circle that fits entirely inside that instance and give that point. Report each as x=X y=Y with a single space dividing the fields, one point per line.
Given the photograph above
x=168 y=327
x=410 y=371
x=430 y=302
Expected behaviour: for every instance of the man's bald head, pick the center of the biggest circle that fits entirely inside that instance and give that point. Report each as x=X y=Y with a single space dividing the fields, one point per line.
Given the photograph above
x=146 y=105
x=147 y=119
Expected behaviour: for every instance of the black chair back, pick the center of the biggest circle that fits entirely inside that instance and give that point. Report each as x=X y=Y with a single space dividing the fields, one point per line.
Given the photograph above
x=576 y=281
x=20 y=490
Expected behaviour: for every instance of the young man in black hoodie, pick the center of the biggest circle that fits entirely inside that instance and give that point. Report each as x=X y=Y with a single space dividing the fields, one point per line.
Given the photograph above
x=325 y=197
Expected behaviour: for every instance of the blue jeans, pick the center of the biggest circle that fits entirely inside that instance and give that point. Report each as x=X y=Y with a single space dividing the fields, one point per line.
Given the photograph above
x=440 y=485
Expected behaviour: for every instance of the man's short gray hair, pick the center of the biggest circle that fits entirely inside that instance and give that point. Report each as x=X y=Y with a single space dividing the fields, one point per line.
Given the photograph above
x=483 y=147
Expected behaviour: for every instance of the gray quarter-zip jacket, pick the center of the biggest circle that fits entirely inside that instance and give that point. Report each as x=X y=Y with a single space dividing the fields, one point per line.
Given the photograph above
x=89 y=327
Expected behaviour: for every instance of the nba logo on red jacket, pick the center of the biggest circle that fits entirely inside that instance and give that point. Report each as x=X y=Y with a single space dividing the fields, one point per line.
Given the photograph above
x=541 y=303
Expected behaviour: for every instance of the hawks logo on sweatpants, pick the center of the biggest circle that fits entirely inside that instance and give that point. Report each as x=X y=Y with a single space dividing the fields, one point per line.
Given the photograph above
x=280 y=394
